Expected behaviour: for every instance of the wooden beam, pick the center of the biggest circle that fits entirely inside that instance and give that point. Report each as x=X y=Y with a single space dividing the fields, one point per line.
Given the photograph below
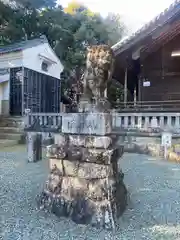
x=125 y=87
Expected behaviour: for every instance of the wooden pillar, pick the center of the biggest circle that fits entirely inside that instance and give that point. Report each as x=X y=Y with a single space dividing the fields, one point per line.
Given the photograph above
x=135 y=98
x=125 y=88
x=139 y=88
x=22 y=92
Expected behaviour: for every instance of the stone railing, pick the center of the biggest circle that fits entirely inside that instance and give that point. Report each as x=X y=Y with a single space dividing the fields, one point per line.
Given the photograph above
x=146 y=120
x=120 y=120
x=150 y=106
x=46 y=120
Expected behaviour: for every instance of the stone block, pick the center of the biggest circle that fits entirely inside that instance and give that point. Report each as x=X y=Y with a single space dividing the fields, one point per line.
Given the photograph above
x=98 y=142
x=54 y=183
x=82 y=154
x=87 y=123
x=60 y=139
x=100 y=214
x=101 y=189
x=75 y=153
x=90 y=141
x=77 y=140
x=70 y=187
x=100 y=156
x=81 y=170
x=76 y=183
x=34 y=146
x=173 y=157
x=56 y=151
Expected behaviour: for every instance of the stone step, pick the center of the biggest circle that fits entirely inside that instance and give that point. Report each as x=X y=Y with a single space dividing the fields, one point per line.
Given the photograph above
x=9 y=130
x=11 y=118
x=9 y=123
x=11 y=136
x=7 y=143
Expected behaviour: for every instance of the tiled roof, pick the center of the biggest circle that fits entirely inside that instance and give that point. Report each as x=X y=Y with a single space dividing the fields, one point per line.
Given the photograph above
x=163 y=38
x=149 y=28
x=23 y=45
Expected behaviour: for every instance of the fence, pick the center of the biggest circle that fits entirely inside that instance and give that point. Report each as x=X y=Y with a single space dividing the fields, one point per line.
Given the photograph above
x=147 y=120
x=119 y=120
x=50 y=120
x=143 y=106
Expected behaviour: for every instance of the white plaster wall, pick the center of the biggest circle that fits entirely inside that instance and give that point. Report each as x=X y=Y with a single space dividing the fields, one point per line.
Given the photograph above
x=32 y=60
x=4 y=84
x=1 y=98
x=8 y=60
x=4 y=78
x=27 y=58
x=11 y=60
x=5 y=90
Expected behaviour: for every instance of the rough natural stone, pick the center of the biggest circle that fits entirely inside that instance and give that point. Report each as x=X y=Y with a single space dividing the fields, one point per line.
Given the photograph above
x=173 y=157
x=56 y=151
x=98 y=142
x=77 y=140
x=100 y=156
x=75 y=153
x=69 y=187
x=90 y=141
x=82 y=210
x=34 y=146
x=82 y=154
x=81 y=170
x=60 y=139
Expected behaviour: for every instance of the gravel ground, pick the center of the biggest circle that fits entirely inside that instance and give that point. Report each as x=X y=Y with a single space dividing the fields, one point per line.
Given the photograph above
x=153 y=211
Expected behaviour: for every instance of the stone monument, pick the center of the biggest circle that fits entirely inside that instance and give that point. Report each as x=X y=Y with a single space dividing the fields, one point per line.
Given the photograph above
x=85 y=182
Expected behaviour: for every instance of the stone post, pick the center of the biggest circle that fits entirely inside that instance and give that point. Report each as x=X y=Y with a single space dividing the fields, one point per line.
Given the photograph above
x=85 y=183
x=34 y=146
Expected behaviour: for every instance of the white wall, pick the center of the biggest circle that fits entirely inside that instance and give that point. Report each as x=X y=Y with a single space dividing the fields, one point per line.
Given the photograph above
x=4 y=78
x=28 y=58
x=0 y=98
x=32 y=60
x=5 y=90
x=11 y=60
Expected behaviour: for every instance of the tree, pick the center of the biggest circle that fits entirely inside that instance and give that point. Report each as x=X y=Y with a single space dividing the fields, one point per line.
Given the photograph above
x=76 y=7
x=115 y=28
x=34 y=3
x=91 y=29
x=69 y=31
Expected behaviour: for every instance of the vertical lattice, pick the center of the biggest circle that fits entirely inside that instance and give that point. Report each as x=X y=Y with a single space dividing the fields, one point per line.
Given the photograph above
x=41 y=92
x=15 y=91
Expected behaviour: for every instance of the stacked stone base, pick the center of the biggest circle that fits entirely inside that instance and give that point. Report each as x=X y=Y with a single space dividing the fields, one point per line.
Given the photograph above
x=95 y=201
x=85 y=183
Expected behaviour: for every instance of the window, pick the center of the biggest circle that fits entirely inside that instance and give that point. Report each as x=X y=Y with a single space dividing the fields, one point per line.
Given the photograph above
x=44 y=66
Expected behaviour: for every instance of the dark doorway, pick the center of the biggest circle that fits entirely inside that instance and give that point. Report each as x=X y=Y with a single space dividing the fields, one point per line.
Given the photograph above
x=15 y=92
x=33 y=90
x=41 y=92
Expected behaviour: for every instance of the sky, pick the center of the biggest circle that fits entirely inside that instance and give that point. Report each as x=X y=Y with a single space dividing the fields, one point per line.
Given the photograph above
x=135 y=13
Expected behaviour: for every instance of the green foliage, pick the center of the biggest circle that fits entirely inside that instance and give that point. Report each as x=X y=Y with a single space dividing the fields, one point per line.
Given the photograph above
x=69 y=31
x=115 y=93
x=35 y=3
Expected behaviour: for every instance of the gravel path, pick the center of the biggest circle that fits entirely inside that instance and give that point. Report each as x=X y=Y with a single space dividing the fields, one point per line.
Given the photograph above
x=153 y=211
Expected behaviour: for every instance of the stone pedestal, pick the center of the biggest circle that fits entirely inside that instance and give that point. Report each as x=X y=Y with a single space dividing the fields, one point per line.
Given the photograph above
x=34 y=146
x=85 y=183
